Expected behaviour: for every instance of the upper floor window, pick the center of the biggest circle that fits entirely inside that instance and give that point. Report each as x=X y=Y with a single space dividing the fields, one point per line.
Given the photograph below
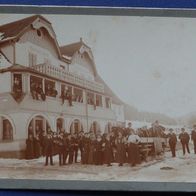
x=50 y=89
x=107 y=102
x=36 y=88
x=90 y=98
x=32 y=59
x=99 y=100
x=17 y=86
x=78 y=95
x=66 y=93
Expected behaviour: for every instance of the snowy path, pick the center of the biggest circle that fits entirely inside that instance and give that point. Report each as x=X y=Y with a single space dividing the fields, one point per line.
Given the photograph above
x=167 y=169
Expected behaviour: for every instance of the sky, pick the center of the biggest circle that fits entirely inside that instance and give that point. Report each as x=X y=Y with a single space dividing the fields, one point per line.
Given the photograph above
x=149 y=62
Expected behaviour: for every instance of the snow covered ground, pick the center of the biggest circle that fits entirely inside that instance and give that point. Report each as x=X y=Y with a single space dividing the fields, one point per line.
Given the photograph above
x=163 y=169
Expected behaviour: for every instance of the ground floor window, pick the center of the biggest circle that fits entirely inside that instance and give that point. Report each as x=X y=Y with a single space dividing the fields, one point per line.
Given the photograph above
x=60 y=125
x=76 y=127
x=38 y=126
x=95 y=128
x=7 y=129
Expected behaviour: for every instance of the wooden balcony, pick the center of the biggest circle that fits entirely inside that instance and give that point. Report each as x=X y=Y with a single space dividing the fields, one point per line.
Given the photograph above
x=69 y=77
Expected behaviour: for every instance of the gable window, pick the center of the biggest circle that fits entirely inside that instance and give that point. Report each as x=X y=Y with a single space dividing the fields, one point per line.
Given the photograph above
x=99 y=100
x=39 y=33
x=50 y=89
x=32 y=59
x=77 y=95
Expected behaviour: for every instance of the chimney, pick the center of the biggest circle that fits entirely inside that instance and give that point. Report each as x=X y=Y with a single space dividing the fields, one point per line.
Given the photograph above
x=81 y=39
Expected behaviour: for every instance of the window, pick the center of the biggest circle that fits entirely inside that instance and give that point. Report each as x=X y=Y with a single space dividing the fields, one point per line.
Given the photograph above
x=66 y=93
x=7 y=130
x=90 y=98
x=17 y=83
x=32 y=59
x=36 y=88
x=107 y=102
x=17 y=87
x=99 y=100
x=78 y=95
x=50 y=89
x=76 y=127
x=39 y=33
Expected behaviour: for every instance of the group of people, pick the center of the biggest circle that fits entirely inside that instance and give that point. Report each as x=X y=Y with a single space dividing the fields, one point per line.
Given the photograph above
x=121 y=145
x=184 y=138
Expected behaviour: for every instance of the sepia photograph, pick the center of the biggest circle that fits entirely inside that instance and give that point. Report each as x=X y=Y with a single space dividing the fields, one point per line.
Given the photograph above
x=97 y=97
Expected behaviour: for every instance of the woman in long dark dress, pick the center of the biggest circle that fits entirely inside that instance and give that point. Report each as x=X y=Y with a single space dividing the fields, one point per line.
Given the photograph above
x=120 y=148
x=92 y=155
x=107 y=151
x=37 y=146
x=99 y=151
x=30 y=147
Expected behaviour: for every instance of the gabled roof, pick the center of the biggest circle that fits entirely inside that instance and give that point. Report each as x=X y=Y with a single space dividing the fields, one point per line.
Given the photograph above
x=13 y=29
x=70 y=49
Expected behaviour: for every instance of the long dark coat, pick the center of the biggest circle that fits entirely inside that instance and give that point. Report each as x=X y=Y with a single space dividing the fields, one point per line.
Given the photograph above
x=107 y=152
x=37 y=147
x=133 y=154
x=121 y=150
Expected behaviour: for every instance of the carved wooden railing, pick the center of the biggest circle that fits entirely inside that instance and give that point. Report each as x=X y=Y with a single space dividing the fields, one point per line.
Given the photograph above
x=59 y=73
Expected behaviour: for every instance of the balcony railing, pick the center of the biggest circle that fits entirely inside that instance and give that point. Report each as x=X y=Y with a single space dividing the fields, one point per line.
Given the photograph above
x=68 y=77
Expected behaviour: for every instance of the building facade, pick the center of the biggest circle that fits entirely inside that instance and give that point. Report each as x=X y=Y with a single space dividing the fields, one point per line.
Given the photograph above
x=45 y=86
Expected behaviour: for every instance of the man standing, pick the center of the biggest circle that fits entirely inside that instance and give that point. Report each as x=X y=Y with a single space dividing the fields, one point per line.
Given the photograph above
x=49 y=149
x=184 y=139
x=193 y=137
x=172 y=142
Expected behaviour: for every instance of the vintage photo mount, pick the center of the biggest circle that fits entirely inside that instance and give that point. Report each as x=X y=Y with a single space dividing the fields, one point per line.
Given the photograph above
x=97 y=185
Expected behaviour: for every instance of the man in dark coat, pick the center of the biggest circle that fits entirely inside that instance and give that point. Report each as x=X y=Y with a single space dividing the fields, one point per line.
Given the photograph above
x=121 y=149
x=184 y=139
x=60 y=147
x=172 y=139
x=66 y=148
x=71 y=148
x=76 y=147
x=193 y=137
x=86 y=148
x=49 y=149
x=81 y=142
x=30 y=147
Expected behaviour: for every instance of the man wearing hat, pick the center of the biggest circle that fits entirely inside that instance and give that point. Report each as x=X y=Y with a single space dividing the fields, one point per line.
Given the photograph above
x=172 y=142
x=184 y=139
x=193 y=137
